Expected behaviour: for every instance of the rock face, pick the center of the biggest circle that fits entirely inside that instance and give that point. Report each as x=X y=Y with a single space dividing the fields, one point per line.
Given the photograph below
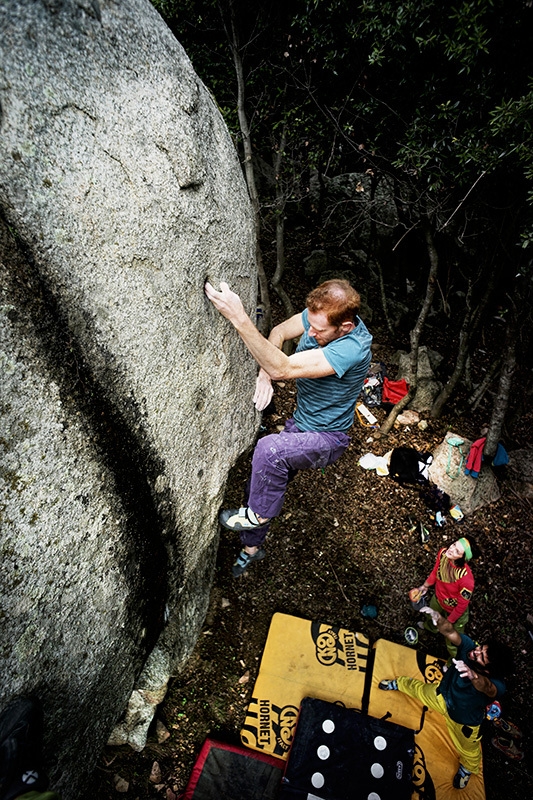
x=447 y=472
x=125 y=397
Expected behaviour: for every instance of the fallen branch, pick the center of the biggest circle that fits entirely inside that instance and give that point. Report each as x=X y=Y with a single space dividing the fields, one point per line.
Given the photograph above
x=340 y=585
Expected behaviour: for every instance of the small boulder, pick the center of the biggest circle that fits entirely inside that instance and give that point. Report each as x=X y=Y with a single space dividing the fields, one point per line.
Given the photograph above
x=120 y=784
x=161 y=732
x=408 y=418
x=427 y=385
x=315 y=263
x=155 y=774
x=447 y=472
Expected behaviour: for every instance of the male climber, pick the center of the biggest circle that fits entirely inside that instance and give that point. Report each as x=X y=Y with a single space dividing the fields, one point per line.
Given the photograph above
x=329 y=365
x=474 y=679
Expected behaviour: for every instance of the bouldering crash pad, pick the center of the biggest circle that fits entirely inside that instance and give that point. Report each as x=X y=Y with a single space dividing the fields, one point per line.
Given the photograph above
x=435 y=759
x=339 y=754
x=224 y=772
x=302 y=659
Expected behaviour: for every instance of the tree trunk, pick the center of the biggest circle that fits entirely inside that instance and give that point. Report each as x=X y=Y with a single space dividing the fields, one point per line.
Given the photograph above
x=384 y=299
x=265 y=322
x=416 y=332
x=372 y=240
x=501 y=401
x=479 y=393
x=465 y=336
x=471 y=323
x=279 y=210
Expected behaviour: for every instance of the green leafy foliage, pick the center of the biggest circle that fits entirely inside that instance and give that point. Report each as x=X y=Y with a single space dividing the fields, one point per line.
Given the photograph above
x=434 y=94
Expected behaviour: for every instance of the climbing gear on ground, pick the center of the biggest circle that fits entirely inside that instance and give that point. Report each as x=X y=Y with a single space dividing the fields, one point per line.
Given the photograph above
x=393 y=391
x=408 y=465
x=239 y=519
x=388 y=686
x=456 y=513
x=411 y=635
x=507 y=745
x=454 y=441
x=244 y=560
x=493 y=711
x=369 y=611
x=461 y=778
x=507 y=728
x=365 y=417
x=373 y=385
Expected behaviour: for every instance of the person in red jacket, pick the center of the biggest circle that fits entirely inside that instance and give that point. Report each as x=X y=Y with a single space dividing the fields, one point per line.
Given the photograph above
x=454 y=584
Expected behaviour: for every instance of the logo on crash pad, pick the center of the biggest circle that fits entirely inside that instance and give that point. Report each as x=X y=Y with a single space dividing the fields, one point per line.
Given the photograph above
x=335 y=645
x=269 y=727
x=422 y=782
x=430 y=668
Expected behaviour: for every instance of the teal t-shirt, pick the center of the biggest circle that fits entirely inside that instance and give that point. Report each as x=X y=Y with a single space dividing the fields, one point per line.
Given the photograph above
x=328 y=403
x=464 y=703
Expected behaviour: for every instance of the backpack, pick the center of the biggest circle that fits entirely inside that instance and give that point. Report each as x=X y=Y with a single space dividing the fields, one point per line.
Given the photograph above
x=373 y=385
x=393 y=391
x=436 y=499
x=407 y=465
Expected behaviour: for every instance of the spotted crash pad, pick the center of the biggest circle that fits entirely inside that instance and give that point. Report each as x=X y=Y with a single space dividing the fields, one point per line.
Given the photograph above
x=340 y=754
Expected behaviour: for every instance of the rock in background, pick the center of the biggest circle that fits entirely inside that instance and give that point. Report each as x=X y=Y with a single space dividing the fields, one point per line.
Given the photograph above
x=447 y=472
x=125 y=396
x=520 y=472
x=355 y=204
x=428 y=386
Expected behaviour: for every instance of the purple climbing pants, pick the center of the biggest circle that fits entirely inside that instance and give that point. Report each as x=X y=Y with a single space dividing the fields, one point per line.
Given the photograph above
x=277 y=458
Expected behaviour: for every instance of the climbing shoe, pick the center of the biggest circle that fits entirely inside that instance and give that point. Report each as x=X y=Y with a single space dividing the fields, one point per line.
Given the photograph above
x=244 y=560
x=20 y=748
x=388 y=686
x=508 y=746
x=507 y=728
x=240 y=519
x=461 y=778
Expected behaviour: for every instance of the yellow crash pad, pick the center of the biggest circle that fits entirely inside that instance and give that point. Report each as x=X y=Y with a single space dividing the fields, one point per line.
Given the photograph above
x=302 y=659
x=436 y=760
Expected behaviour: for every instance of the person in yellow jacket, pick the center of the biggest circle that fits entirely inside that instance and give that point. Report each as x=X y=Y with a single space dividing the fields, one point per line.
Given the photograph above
x=474 y=679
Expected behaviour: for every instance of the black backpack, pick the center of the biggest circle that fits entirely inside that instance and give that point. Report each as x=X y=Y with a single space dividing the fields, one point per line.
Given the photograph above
x=436 y=499
x=407 y=465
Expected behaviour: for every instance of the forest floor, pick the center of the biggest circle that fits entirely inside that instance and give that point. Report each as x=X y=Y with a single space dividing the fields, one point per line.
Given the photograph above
x=343 y=540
